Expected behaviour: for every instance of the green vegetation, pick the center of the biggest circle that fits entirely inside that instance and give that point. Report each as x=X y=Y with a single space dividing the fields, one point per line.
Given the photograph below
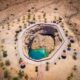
x=74 y=56
x=1 y=64
x=47 y=66
x=7 y=74
x=21 y=74
x=36 y=69
x=70 y=77
x=4 y=53
x=75 y=67
x=7 y=63
x=15 y=78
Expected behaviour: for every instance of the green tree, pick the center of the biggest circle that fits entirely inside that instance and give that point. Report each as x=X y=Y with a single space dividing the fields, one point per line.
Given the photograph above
x=74 y=57
x=47 y=66
x=4 y=53
x=21 y=73
x=7 y=75
x=7 y=62
x=15 y=78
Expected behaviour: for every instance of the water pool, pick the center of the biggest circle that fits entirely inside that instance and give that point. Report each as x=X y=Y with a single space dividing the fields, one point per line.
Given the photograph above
x=38 y=54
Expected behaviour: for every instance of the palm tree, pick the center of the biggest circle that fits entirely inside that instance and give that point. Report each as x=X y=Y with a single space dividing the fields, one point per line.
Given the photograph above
x=36 y=69
x=55 y=63
x=70 y=76
x=20 y=60
x=34 y=18
x=18 y=19
x=75 y=67
x=74 y=57
x=4 y=53
x=1 y=64
x=45 y=20
x=47 y=66
x=2 y=27
x=44 y=15
x=7 y=75
x=26 y=77
x=7 y=63
x=15 y=78
x=69 y=45
x=29 y=16
x=21 y=73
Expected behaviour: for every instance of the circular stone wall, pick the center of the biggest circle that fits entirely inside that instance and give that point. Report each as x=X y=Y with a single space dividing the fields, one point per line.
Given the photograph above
x=41 y=42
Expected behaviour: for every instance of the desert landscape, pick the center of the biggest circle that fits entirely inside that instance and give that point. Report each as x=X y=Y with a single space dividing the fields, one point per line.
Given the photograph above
x=28 y=51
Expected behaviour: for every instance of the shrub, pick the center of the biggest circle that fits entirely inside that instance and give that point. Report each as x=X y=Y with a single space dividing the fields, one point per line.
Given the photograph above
x=15 y=78
x=36 y=69
x=6 y=74
x=7 y=62
x=21 y=74
x=4 y=53
x=74 y=57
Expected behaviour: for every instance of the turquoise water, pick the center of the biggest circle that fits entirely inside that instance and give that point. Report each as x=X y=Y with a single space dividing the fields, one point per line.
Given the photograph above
x=38 y=53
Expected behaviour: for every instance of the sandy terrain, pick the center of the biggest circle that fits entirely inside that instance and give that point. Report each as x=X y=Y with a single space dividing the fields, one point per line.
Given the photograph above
x=18 y=16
